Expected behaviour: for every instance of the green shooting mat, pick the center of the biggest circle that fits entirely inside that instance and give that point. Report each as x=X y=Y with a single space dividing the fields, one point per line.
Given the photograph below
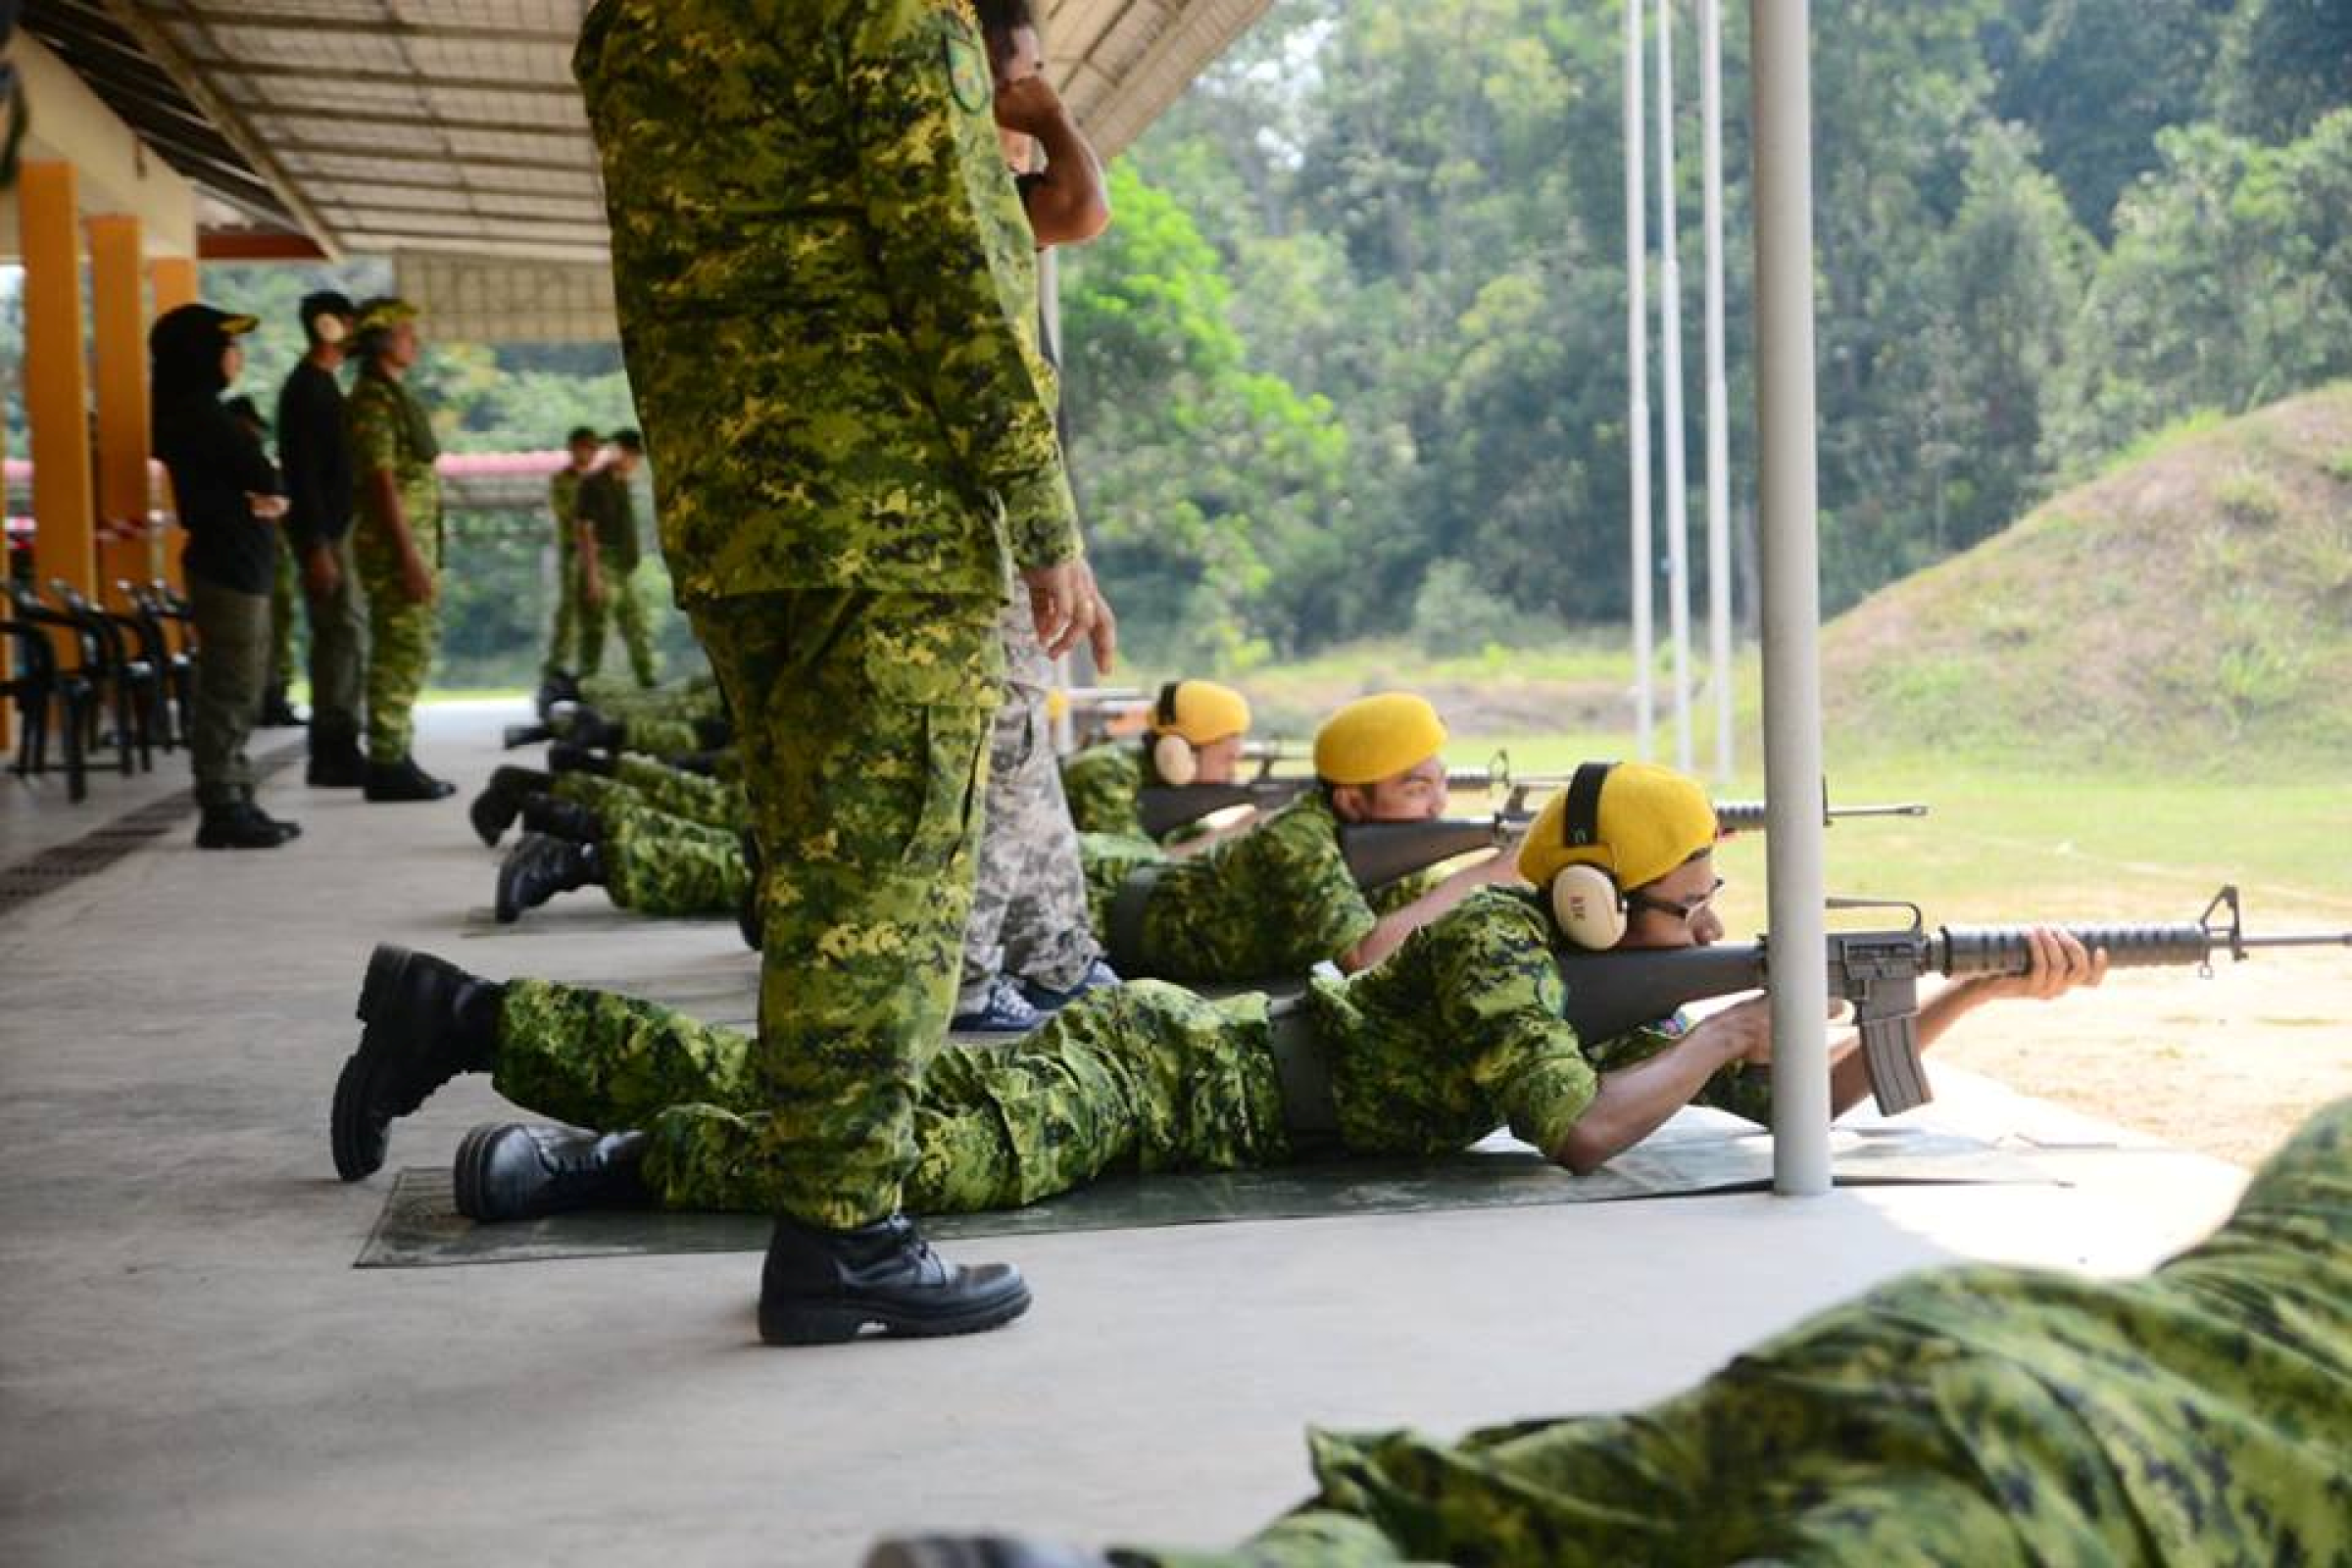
x=1697 y=1152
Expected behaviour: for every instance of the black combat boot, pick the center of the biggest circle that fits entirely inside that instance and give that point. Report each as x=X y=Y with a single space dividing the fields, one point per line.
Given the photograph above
x=493 y=811
x=508 y=1171
x=980 y=1551
x=286 y=831
x=538 y=869
x=555 y=686
x=583 y=725
x=573 y=756
x=750 y=917
x=427 y=1021
x=514 y=735
x=404 y=780
x=277 y=711
x=336 y=766
x=822 y=1287
x=240 y=826
x=562 y=819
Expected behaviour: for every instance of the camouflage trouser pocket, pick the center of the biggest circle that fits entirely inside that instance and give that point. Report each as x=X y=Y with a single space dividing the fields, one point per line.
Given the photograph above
x=932 y=676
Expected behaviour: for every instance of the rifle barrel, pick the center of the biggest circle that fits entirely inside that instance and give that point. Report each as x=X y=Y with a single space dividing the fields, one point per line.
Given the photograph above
x=2009 y=949
x=2319 y=939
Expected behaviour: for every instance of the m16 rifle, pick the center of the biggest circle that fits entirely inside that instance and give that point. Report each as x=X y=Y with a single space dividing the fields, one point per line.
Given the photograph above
x=1165 y=807
x=1878 y=971
x=1380 y=852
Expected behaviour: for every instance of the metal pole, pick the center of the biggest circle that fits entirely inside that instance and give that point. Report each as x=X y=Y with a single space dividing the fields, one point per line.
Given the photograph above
x=1784 y=185
x=1670 y=361
x=1637 y=397
x=1719 y=432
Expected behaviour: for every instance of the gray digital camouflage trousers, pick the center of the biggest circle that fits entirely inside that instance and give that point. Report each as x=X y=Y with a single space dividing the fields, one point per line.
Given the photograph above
x=1029 y=905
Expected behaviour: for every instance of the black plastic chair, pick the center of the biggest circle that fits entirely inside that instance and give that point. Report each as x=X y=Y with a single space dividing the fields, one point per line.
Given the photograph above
x=175 y=698
x=133 y=685
x=92 y=668
x=46 y=696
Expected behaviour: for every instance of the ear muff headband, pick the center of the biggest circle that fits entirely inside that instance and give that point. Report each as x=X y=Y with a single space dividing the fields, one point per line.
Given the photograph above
x=1586 y=900
x=1165 y=714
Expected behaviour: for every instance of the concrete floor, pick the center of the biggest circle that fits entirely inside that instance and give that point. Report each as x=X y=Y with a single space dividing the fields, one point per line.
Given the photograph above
x=191 y=1371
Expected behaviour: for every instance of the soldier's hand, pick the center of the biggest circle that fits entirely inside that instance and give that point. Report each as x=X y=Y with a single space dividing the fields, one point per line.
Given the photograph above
x=320 y=574
x=1065 y=606
x=264 y=507
x=416 y=580
x=2060 y=964
x=1029 y=106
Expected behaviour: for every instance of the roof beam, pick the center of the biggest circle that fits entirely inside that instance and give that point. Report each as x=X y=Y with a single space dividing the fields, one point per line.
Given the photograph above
x=345 y=149
x=224 y=117
x=385 y=78
x=388 y=26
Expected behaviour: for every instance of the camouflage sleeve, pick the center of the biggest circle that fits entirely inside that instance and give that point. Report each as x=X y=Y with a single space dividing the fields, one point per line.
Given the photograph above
x=916 y=73
x=1738 y=1088
x=1504 y=1004
x=374 y=433
x=1312 y=896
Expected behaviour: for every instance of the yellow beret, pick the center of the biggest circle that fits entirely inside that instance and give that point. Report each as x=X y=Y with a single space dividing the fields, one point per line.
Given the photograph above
x=1378 y=737
x=1650 y=820
x=1202 y=711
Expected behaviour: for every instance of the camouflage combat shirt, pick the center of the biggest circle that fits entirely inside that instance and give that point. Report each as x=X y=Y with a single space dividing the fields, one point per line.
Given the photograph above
x=1103 y=785
x=380 y=417
x=1462 y=1029
x=827 y=295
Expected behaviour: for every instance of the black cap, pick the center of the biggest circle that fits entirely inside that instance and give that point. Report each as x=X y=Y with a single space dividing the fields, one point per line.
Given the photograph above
x=580 y=433
x=184 y=348
x=628 y=440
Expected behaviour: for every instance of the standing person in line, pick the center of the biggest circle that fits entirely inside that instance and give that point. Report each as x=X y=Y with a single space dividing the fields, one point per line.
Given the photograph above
x=397 y=497
x=1028 y=949
x=604 y=524
x=315 y=450
x=855 y=447
x=277 y=711
x=558 y=676
x=229 y=502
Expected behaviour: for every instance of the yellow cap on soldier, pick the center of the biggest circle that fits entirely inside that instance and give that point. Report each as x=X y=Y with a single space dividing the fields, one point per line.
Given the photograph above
x=1200 y=712
x=1651 y=820
x=1378 y=737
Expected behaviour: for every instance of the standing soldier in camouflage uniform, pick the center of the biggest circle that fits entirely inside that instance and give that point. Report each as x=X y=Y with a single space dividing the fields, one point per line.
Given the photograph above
x=1461 y=1030
x=396 y=543
x=561 y=667
x=826 y=290
x=1976 y=1415
x=605 y=520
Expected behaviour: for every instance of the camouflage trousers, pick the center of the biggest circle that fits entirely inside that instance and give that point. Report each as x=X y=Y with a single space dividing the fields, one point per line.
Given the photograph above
x=1142 y=1078
x=564 y=636
x=657 y=863
x=687 y=700
x=401 y=633
x=1029 y=904
x=624 y=602
x=860 y=720
x=1965 y=1417
x=649 y=783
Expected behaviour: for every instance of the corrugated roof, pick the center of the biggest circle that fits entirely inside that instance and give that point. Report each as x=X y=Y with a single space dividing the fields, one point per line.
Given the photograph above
x=383 y=127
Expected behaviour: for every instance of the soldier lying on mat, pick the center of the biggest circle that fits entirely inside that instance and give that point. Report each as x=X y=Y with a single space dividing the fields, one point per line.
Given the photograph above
x=1457 y=1031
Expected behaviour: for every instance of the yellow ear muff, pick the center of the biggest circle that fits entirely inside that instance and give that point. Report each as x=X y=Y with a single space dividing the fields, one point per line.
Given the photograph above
x=1589 y=906
x=1173 y=759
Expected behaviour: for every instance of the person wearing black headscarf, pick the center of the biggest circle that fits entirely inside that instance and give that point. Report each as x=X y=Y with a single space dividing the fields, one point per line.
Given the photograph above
x=230 y=500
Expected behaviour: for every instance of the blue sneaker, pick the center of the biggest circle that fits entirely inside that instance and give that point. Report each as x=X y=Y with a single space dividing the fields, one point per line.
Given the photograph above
x=1098 y=974
x=1008 y=1012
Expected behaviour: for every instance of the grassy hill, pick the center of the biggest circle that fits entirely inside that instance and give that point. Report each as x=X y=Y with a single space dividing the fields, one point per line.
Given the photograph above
x=2192 y=604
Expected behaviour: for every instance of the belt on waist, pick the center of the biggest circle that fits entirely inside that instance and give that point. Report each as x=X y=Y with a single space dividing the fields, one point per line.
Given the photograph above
x=1308 y=1110
x=1125 y=936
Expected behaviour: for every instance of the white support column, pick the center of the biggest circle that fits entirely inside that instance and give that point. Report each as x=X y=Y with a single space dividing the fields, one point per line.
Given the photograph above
x=1637 y=397
x=1784 y=186
x=1670 y=363
x=1719 y=430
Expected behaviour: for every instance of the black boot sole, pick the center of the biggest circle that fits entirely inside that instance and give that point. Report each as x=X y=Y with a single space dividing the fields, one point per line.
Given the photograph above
x=492 y=814
x=360 y=1139
x=839 y=1322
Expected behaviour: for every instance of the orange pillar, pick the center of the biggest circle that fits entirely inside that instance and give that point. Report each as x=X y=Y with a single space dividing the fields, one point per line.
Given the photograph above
x=119 y=338
x=174 y=279
x=56 y=393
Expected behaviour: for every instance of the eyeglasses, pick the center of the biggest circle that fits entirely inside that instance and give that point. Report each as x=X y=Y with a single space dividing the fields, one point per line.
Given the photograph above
x=1686 y=910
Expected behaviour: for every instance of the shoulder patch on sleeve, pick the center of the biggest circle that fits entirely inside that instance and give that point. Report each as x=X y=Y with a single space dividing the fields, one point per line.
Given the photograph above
x=967 y=72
